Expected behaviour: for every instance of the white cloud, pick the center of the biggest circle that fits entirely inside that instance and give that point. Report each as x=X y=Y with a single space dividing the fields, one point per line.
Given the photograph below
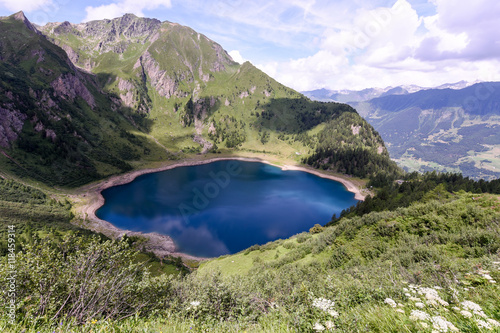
x=236 y=55
x=25 y=5
x=117 y=9
x=394 y=45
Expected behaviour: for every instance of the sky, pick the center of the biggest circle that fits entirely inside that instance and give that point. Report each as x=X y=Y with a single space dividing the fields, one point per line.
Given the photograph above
x=313 y=44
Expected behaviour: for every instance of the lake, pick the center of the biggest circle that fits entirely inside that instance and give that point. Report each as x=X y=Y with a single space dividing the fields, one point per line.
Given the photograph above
x=224 y=207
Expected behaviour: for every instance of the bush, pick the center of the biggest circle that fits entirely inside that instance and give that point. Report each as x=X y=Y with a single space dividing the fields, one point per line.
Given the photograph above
x=316 y=229
x=82 y=280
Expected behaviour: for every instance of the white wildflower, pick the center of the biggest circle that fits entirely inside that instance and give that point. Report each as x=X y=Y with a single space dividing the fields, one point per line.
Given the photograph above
x=432 y=302
x=420 y=305
x=493 y=322
x=415 y=299
x=424 y=324
x=468 y=305
x=419 y=315
x=487 y=277
x=329 y=325
x=437 y=287
x=333 y=313
x=318 y=327
x=456 y=308
x=323 y=304
x=466 y=289
x=442 y=325
x=480 y=314
x=466 y=313
x=482 y=324
x=195 y=303
x=400 y=310
x=432 y=296
x=428 y=292
x=408 y=295
x=390 y=302
x=492 y=281
x=405 y=289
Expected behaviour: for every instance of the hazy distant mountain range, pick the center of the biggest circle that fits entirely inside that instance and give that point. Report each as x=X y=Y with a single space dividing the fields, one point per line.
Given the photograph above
x=345 y=96
x=454 y=127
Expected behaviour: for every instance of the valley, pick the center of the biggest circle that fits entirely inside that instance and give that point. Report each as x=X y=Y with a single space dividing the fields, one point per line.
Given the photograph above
x=442 y=129
x=105 y=104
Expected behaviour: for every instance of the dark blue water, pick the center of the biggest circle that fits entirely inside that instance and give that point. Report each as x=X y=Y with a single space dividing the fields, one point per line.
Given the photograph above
x=224 y=207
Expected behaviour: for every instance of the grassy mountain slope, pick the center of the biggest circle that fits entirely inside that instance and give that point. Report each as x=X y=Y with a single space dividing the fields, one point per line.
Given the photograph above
x=84 y=101
x=441 y=129
x=196 y=97
x=431 y=266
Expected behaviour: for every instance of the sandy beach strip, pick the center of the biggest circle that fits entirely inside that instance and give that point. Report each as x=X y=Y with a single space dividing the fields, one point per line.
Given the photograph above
x=163 y=245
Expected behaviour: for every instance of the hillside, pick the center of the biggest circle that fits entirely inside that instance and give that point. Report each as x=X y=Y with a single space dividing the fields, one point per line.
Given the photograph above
x=431 y=266
x=57 y=125
x=84 y=101
x=441 y=129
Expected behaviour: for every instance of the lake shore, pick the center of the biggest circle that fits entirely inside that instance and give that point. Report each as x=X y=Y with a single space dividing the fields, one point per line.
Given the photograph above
x=163 y=245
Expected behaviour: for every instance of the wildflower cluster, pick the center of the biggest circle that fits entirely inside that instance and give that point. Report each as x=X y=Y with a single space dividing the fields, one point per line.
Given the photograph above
x=325 y=305
x=486 y=275
x=477 y=311
x=431 y=305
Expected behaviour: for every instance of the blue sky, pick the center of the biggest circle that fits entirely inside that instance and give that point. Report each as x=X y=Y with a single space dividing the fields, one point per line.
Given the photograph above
x=310 y=44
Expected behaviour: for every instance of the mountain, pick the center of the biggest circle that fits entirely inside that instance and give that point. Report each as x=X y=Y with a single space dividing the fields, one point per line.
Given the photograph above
x=83 y=101
x=348 y=96
x=344 y=96
x=57 y=125
x=441 y=129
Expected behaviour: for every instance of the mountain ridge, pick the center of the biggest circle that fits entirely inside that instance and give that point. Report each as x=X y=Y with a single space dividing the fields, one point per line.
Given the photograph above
x=351 y=96
x=449 y=130
x=140 y=92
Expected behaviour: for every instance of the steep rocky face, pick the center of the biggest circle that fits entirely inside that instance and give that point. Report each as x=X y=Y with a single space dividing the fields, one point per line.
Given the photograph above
x=11 y=123
x=71 y=87
x=164 y=84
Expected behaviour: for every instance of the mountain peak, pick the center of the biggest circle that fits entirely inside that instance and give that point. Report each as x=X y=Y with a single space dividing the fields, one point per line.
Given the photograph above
x=19 y=16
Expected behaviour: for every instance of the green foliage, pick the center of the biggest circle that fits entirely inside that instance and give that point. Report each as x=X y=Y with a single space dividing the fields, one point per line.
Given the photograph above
x=357 y=264
x=317 y=228
x=362 y=154
x=414 y=187
x=82 y=280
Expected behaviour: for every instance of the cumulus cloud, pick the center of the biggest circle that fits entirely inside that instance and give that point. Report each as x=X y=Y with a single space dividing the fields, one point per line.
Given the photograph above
x=395 y=45
x=236 y=55
x=117 y=9
x=25 y=5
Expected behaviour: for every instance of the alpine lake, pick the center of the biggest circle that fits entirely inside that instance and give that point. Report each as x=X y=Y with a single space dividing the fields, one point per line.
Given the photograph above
x=226 y=206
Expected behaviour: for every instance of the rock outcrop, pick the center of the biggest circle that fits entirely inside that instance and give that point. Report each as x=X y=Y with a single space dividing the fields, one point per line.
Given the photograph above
x=163 y=83
x=69 y=86
x=11 y=123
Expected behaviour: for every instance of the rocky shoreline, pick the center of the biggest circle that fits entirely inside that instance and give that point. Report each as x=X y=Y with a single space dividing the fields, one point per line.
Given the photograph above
x=163 y=245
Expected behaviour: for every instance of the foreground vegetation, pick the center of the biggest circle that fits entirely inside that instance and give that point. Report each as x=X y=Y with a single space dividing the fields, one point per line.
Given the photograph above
x=430 y=266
